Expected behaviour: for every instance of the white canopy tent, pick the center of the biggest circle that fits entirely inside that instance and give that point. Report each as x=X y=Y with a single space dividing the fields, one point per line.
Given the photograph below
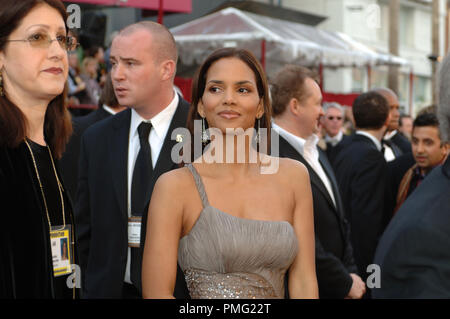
x=275 y=42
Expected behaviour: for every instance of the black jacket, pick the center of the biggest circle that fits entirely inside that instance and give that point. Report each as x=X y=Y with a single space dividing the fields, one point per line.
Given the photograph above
x=70 y=158
x=101 y=208
x=362 y=175
x=401 y=142
x=334 y=253
x=414 y=253
x=26 y=267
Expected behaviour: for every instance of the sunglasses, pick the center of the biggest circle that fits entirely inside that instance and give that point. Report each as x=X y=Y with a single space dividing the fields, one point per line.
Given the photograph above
x=331 y=118
x=43 y=41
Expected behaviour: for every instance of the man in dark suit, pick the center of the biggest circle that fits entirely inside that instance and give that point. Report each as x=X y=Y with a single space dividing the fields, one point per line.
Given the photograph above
x=107 y=107
x=362 y=175
x=397 y=148
x=332 y=123
x=121 y=159
x=395 y=143
x=414 y=254
x=297 y=110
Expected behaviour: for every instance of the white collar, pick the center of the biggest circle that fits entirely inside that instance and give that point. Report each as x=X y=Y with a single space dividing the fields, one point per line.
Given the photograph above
x=109 y=109
x=337 y=138
x=160 y=122
x=370 y=136
x=389 y=135
x=297 y=142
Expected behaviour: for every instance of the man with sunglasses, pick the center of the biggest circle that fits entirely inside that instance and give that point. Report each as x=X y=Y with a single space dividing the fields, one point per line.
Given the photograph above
x=332 y=123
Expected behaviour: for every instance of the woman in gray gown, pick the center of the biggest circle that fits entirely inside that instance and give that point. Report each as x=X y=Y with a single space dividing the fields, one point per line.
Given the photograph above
x=235 y=219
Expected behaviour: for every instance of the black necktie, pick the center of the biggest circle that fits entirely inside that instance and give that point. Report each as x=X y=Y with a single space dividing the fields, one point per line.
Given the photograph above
x=140 y=194
x=142 y=173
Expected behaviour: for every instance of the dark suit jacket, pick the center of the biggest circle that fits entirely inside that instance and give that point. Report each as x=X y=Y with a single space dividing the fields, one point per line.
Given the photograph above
x=334 y=253
x=101 y=209
x=402 y=143
x=414 y=251
x=70 y=158
x=397 y=169
x=362 y=175
x=332 y=151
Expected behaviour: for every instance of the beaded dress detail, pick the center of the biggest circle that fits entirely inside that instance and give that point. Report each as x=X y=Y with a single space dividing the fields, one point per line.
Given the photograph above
x=224 y=256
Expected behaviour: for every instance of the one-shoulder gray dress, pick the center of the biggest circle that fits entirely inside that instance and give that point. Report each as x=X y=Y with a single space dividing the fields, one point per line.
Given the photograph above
x=224 y=256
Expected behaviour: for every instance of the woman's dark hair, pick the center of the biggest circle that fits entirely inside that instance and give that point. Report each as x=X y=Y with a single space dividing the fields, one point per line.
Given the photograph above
x=13 y=123
x=93 y=50
x=199 y=84
x=108 y=97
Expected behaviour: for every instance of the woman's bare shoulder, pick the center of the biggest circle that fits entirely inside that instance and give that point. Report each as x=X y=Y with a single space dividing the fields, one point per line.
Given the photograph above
x=176 y=179
x=293 y=171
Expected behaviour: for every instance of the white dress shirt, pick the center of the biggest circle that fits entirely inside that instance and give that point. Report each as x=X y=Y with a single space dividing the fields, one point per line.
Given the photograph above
x=388 y=152
x=160 y=126
x=335 y=139
x=109 y=109
x=372 y=138
x=308 y=149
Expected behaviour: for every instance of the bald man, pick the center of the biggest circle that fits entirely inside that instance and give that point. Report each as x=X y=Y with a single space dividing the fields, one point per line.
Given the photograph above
x=395 y=144
x=121 y=159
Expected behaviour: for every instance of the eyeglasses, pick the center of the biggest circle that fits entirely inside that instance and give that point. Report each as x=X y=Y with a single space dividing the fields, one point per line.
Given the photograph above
x=43 y=41
x=334 y=117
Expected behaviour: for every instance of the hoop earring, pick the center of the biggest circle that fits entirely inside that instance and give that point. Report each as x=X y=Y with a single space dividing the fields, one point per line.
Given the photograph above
x=205 y=137
x=1 y=85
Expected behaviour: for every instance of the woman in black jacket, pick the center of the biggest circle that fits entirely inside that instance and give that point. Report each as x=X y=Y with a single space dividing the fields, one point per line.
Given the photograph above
x=35 y=212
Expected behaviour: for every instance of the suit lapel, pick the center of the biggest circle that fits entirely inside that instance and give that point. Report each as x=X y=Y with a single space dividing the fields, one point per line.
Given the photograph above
x=330 y=173
x=164 y=162
x=287 y=150
x=118 y=146
x=101 y=114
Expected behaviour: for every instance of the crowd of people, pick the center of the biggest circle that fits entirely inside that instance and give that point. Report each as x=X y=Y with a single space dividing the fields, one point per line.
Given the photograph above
x=87 y=75
x=105 y=198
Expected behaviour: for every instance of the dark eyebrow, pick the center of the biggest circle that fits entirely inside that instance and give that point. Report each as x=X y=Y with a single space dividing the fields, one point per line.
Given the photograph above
x=236 y=83
x=45 y=27
x=128 y=59
x=112 y=57
x=215 y=81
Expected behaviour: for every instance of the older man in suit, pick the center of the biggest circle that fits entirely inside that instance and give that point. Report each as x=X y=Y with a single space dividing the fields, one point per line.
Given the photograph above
x=362 y=175
x=395 y=144
x=297 y=110
x=413 y=253
x=121 y=159
x=332 y=122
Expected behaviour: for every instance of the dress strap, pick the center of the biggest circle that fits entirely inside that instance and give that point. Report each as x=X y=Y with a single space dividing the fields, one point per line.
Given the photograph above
x=199 y=184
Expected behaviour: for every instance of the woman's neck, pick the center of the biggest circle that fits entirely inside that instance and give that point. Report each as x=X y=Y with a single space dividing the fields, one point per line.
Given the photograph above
x=34 y=112
x=235 y=153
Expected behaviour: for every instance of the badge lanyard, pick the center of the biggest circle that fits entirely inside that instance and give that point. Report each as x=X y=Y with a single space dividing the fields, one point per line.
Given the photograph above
x=53 y=233
x=42 y=188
